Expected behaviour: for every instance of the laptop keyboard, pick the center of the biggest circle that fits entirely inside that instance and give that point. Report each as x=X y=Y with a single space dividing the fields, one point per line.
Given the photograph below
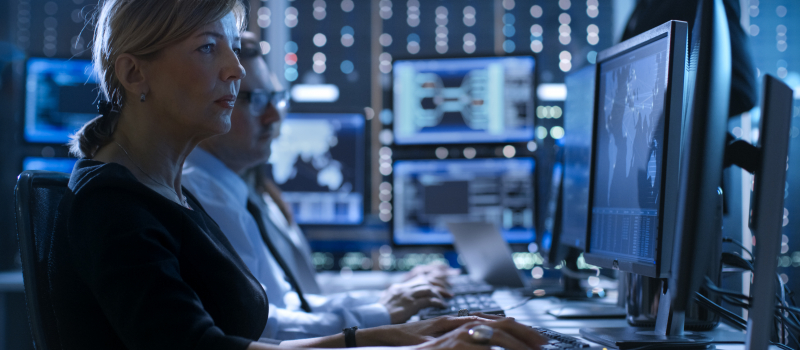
x=476 y=302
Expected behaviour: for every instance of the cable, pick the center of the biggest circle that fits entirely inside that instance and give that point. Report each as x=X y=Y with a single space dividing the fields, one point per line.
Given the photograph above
x=737 y=320
x=737 y=243
x=785 y=347
x=712 y=287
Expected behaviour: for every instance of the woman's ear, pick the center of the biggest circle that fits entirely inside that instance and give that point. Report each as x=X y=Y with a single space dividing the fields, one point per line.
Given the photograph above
x=131 y=75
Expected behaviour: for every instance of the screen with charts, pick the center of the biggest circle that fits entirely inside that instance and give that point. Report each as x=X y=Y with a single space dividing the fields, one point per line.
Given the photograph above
x=463 y=100
x=578 y=112
x=60 y=97
x=429 y=194
x=629 y=150
x=63 y=165
x=318 y=162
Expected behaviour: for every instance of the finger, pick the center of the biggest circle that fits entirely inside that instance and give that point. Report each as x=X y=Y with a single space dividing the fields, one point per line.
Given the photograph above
x=422 y=303
x=526 y=334
x=426 y=291
x=488 y=316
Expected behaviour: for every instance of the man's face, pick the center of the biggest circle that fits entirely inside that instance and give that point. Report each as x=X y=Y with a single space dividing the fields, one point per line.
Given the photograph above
x=253 y=125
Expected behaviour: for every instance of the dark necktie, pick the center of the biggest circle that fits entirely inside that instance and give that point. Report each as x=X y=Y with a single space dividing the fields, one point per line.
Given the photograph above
x=253 y=209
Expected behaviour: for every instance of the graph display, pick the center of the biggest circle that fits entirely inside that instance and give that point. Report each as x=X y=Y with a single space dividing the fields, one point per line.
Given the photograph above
x=630 y=135
x=463 y=100
x=318 y=162
x=429 y=194
x=60 y=97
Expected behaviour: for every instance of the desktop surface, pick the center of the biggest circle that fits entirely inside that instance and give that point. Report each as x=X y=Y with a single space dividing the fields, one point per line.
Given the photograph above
x=463 y=100
x=428 y=194
x=318 y=162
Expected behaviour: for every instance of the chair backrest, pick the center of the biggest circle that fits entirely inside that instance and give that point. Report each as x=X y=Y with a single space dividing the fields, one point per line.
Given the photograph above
x=38 y=194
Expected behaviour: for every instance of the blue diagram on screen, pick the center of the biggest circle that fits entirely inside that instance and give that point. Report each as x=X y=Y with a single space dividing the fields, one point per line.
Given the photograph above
x=63 y=165
x=318 y=162
x=463 y=100
x=429 y=194
x=578 y=112
x=59 y=99
x=629 y=153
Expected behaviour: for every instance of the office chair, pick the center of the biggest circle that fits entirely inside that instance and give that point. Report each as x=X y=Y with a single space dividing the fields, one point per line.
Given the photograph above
x=38 y=194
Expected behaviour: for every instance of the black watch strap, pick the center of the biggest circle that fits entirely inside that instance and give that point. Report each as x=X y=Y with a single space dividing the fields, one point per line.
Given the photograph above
x=350 y=337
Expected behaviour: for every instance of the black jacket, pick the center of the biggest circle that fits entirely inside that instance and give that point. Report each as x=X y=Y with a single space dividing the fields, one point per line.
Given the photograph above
x=130 y=269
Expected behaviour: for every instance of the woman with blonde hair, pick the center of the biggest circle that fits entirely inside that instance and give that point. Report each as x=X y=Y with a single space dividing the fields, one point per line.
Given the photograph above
x=136 y=263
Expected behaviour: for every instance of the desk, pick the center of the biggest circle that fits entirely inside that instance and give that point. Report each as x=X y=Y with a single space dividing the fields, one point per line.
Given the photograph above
x=534 y=313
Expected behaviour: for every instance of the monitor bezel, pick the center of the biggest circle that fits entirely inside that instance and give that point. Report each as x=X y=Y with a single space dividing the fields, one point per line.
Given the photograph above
x=450 y=245
x=676 y=33
x=533 y=97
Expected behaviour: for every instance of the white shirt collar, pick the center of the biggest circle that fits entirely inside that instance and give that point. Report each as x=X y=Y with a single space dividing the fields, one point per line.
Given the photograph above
x=215 y=168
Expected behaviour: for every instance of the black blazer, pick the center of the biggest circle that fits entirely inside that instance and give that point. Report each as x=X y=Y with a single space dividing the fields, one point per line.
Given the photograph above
x=130 y=269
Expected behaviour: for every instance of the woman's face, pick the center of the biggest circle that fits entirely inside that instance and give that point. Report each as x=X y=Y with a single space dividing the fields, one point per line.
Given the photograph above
x=196 y=80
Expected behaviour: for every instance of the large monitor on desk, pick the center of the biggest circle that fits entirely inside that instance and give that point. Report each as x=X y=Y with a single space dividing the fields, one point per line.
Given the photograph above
x=577 y=139
x=463 y=100
x=59 y=98
x=429 y=194
x=318 y=162
x=636 y=152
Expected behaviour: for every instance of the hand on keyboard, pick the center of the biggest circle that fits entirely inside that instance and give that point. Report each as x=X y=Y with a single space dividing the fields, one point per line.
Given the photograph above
x=506 y=333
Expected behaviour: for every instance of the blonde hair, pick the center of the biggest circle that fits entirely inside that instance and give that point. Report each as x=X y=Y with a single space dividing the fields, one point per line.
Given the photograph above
x=141 y=28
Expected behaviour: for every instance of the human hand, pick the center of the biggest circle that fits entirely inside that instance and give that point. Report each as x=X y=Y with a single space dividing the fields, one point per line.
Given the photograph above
x=507 y=334
x=435 y=271
x=404 y=300
x=415 y=333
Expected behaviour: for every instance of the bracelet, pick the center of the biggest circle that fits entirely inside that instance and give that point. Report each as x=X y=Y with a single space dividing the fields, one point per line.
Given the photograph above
x=350 y=337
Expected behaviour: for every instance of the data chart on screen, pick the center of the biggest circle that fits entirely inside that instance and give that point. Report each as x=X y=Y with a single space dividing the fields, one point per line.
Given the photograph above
x=318 y=162
x=60 y=97
x=429 y=194
x=463 y=100
x=629 y=150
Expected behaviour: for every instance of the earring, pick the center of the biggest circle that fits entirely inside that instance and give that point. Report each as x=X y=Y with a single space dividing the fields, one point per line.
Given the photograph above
x=141 y=97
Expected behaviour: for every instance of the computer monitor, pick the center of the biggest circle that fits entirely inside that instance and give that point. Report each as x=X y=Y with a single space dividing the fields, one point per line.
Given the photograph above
x=767 y=203
x=63 y=165
x=318 y=163
x=578 y=121
x=59 y=99
x=429 y=194
x=699 y=208
x=463 y=100
x=636 y=152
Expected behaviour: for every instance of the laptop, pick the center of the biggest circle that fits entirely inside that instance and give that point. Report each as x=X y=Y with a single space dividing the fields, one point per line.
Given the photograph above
x=486 y=254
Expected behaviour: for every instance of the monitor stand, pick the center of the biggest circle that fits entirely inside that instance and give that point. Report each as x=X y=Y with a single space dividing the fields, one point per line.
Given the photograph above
x=669 y=328
x=573 y=291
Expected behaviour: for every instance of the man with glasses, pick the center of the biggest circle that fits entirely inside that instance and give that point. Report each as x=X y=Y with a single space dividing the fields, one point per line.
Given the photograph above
x=271 y=246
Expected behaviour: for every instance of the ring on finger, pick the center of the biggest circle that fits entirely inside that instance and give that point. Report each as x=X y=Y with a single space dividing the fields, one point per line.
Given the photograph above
x=463 y=312
x=481 y=334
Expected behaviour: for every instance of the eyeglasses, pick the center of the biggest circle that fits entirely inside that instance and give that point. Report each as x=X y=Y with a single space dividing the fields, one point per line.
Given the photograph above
x=259 y=100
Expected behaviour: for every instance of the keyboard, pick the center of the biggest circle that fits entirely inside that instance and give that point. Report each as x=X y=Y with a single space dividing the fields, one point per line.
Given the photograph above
x=475 y=302
x=462 y=284
x=558 y=341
